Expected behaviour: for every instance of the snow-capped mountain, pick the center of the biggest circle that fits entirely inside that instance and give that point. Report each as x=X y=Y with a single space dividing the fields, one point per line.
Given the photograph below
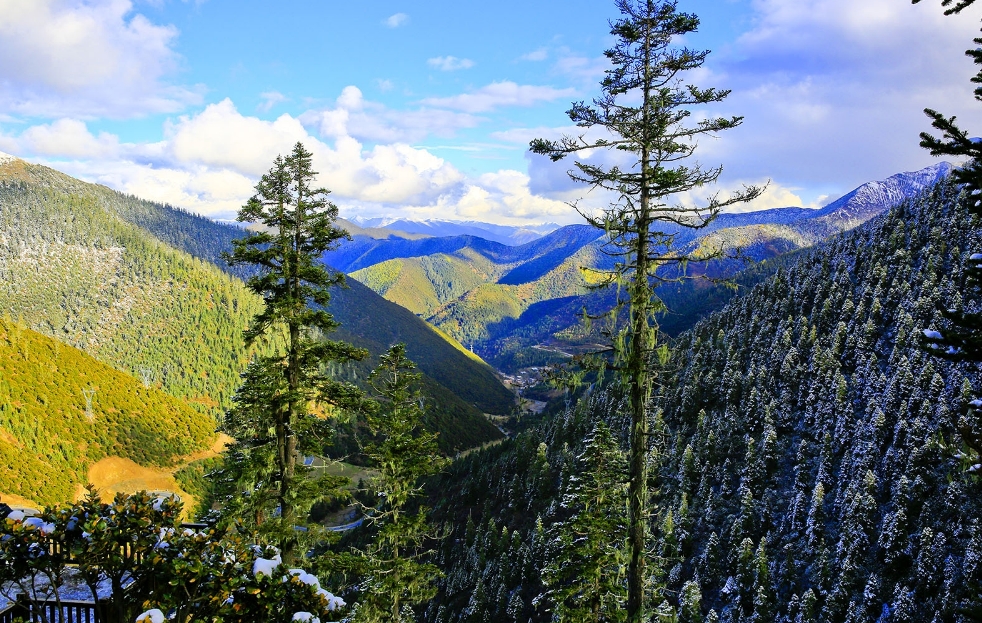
x=870 y=198
x=505 y=234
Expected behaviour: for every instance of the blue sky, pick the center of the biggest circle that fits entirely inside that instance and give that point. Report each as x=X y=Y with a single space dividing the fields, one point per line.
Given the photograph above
x=425 y=109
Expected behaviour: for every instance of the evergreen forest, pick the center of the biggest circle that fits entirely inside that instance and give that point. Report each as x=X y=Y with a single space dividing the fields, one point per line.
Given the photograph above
x=677 y=412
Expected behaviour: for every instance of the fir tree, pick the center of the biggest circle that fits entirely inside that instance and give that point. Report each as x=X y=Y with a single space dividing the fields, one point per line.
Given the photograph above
x=643 y=110
x=404 y=454
x=272 y=420
x=961 y=340
x=585 y=576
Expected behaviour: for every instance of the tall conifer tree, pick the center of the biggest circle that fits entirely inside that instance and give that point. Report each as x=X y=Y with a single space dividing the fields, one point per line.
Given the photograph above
x=272 y=420
x=962 y=338
x=644 y=111
x=395 y=579
x=585 y=574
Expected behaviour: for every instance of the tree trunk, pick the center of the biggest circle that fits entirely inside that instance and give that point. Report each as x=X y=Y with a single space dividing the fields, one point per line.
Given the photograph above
x=637 y=375
x=289 y=444
x=636 y=369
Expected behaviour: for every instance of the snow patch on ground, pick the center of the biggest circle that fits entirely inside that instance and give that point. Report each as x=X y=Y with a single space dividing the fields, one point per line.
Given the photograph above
x=5 y=158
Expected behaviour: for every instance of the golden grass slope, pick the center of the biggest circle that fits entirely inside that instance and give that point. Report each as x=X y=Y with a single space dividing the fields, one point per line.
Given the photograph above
x=47 y=442
x=424 y=284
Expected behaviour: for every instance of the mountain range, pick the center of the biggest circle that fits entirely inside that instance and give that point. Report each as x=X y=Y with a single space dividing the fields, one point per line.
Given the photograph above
x=502 y=300
x=141 y=287
x=504 y=234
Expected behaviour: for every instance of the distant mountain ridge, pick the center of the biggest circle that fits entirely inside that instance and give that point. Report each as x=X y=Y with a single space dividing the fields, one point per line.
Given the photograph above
x=482 y=293
x=505 y=234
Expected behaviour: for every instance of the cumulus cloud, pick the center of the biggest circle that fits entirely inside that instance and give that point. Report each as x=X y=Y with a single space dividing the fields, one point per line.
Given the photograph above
x=498 y=94
x=69 y=138
x=221 y=137
x=353 y=115
x=500 y=197
x=450 y=63
x=515 y=199
x=76 y=58
x=209 y=162
x=397 y=20
x=833 y=90
x=775 y=195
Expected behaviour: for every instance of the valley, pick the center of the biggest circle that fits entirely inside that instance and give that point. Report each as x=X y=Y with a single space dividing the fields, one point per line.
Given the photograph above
x=517 y=305
x=478 y=313
x=725 y=468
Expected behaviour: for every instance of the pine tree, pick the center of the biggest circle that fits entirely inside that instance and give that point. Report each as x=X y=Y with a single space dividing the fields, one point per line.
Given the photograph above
x=690 y=603
x=961 y=340
x=642 y=223
x=272 y=420
x=585 y=577
x=404 y=454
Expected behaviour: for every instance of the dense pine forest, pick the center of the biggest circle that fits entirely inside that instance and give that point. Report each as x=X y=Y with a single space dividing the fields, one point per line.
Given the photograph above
x=803 y=468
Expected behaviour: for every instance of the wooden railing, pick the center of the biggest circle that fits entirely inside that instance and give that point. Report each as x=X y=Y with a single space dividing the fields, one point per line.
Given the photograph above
x=68 y=611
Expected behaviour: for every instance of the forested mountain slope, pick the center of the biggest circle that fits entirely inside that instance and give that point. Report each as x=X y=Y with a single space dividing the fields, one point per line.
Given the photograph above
x=504 y=300
x=140 y=286
x=813 y=419
x=47 y=442
x=801 y=476
x=74 y=268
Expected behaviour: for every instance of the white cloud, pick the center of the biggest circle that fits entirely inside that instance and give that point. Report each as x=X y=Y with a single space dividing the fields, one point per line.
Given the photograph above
x=397 y=20
x=270 y=99
x=516 y=200
x=209 y=163
x=370 y=121
x=775 y=195
x=500 y=197
x=540 y=54
x=499 y=94
x=216 y=193
x=833 y=90
x=69 y=138
x=220 y=137
x=77 y=58
x=450 y=63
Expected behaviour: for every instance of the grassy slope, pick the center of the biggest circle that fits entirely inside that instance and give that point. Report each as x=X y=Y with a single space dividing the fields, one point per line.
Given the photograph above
x=423 y=284
x=46 y=441
x=467 y=378
x=491 y=308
